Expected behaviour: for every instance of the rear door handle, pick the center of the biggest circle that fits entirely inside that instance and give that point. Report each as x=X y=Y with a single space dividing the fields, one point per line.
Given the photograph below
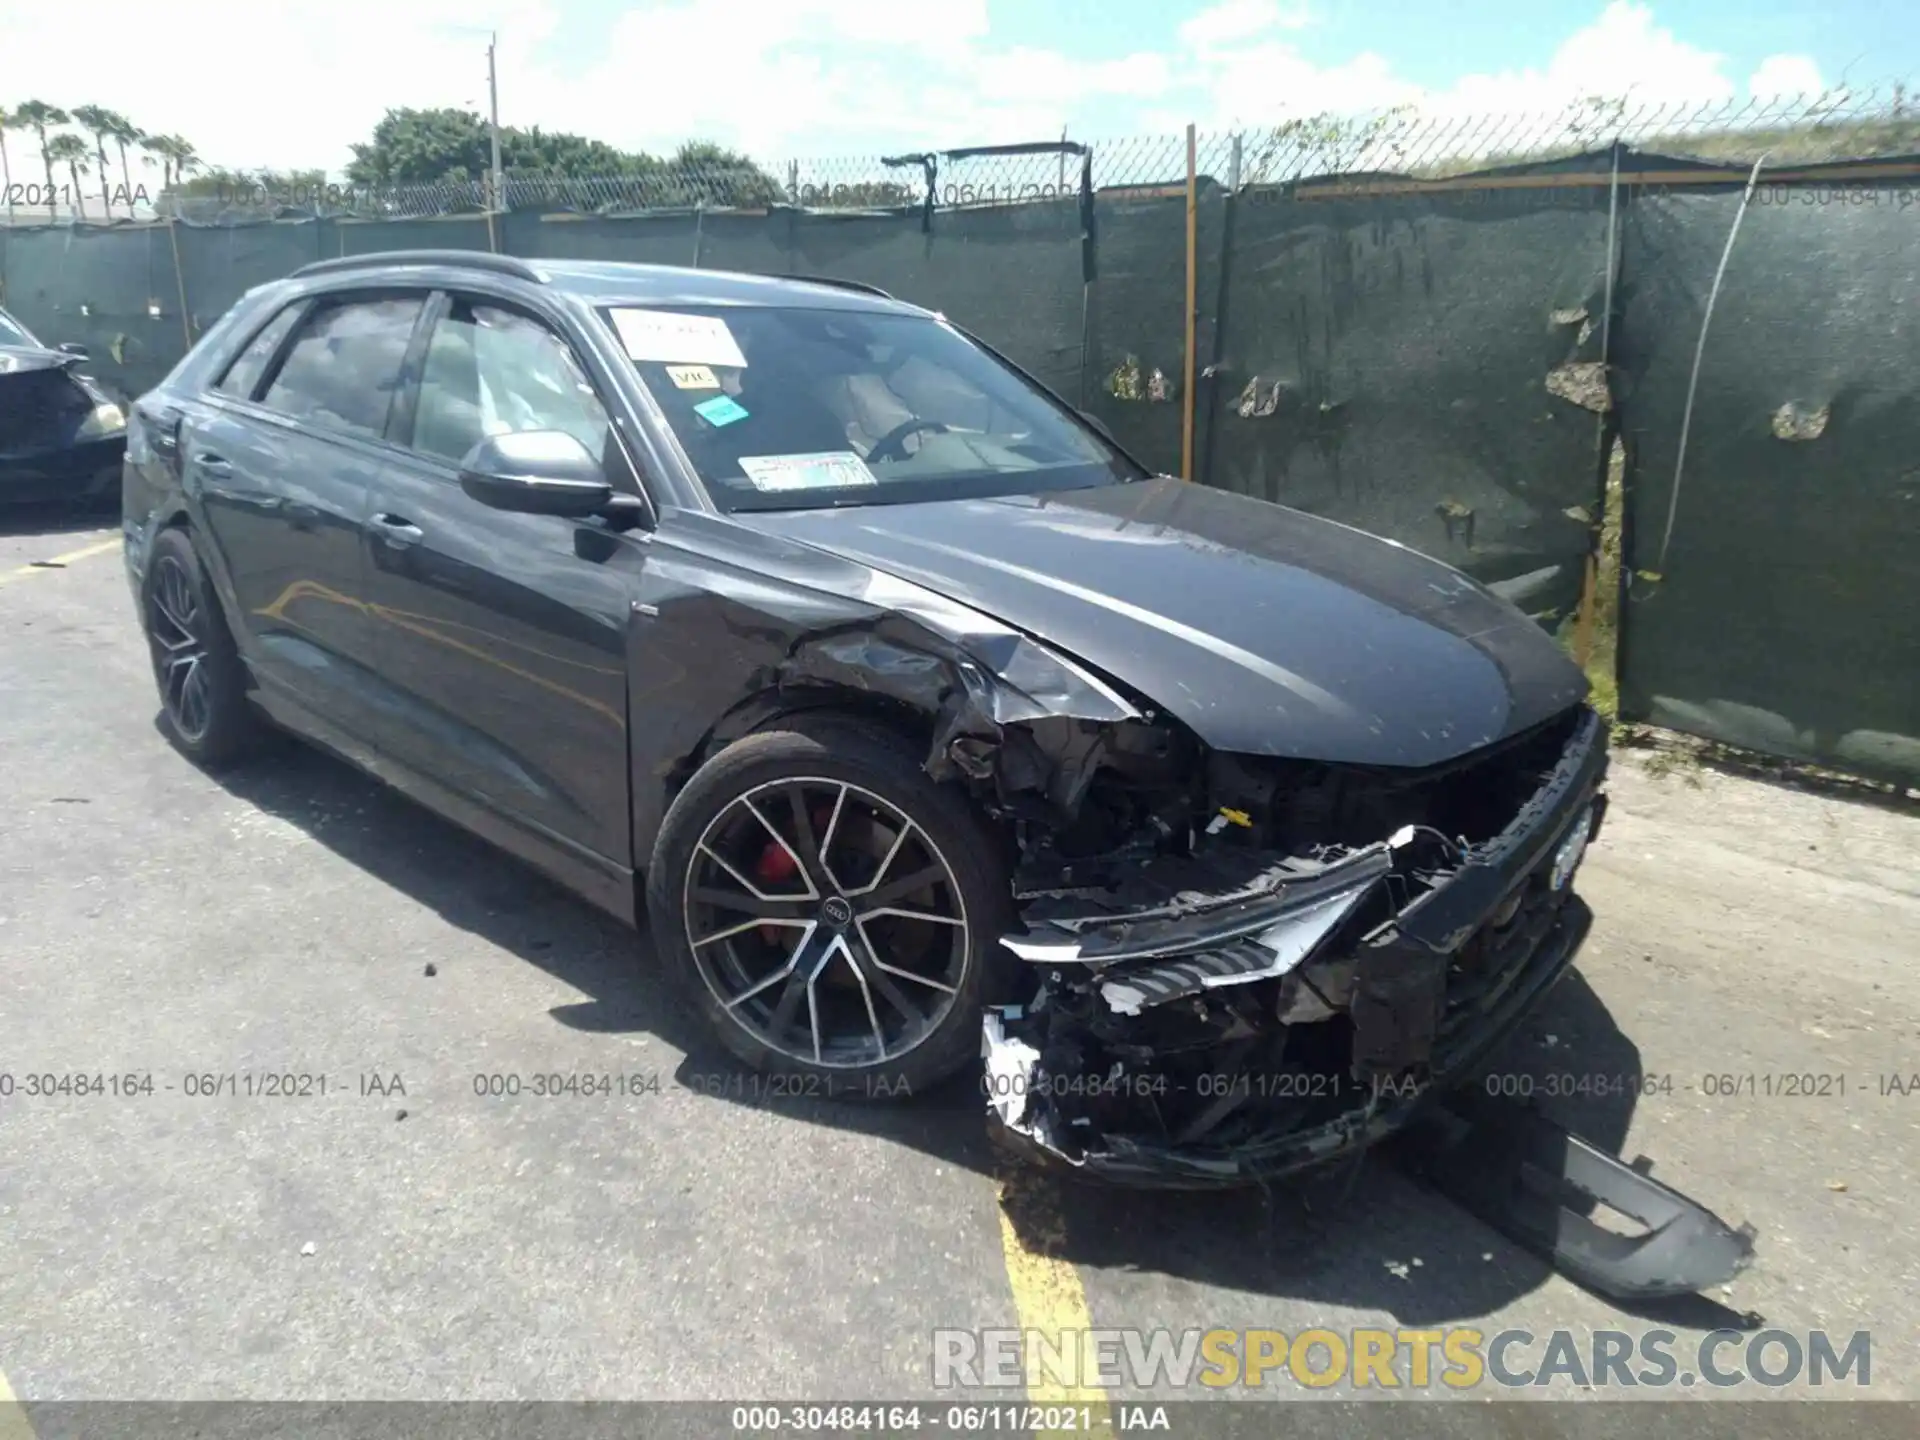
x=213 y=464
x=397 y=530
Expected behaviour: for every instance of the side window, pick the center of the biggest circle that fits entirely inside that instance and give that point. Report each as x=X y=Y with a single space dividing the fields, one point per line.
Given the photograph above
x=491 y=371
x=345 y=365
x=243 y=375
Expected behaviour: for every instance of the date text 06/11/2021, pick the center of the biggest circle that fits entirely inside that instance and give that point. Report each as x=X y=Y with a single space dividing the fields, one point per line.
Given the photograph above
x=197 y=1084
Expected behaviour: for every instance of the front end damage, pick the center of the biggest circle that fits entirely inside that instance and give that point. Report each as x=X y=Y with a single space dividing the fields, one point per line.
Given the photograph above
x=1233 y=967
x=1271 y=988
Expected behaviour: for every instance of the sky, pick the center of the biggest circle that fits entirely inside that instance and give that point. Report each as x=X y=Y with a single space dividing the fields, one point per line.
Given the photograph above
x=291 y=85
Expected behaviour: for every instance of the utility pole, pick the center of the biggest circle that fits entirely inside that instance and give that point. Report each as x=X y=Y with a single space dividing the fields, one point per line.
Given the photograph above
x=493 y=103
x=498 y=200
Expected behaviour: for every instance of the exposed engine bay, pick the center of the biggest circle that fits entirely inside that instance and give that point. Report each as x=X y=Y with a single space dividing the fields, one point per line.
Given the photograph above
x=1241 y=966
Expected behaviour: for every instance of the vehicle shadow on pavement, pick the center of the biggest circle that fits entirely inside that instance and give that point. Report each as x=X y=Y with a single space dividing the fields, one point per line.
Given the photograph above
x=26 y=521
x=1367 y=1236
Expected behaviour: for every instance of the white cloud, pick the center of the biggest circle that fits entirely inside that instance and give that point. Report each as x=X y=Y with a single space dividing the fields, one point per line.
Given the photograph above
x=290 y=85
x=1784 y=76
x=1233 y=20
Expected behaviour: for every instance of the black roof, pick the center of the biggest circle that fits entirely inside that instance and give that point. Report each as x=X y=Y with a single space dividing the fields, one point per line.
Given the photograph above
x=619 y=283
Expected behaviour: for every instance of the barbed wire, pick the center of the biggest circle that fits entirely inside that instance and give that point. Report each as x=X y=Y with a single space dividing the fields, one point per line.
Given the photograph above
x=1833 y=125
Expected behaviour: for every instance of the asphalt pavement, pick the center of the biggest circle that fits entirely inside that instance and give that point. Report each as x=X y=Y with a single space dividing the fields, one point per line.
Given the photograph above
x=327 y=1193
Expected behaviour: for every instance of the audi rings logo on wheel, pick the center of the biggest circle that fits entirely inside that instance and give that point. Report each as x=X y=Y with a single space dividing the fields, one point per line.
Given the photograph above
x=837 y=912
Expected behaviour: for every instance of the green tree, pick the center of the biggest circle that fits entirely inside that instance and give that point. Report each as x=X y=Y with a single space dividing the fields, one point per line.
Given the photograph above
x=98 y=121
x=177 y=157
x=69 y=149
x=40 y=117
x=123 y=134
x=419 y=147
x=303 y=189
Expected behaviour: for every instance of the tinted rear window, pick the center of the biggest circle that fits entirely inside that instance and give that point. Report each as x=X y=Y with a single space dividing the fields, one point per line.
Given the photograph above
x=345 y=365
x=243 y=376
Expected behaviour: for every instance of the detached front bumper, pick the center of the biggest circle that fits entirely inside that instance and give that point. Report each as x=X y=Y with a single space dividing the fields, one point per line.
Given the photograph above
x=1227 y=1037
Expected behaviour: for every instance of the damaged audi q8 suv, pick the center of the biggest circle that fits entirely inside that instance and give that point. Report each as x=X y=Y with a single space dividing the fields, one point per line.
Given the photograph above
x=922 y=722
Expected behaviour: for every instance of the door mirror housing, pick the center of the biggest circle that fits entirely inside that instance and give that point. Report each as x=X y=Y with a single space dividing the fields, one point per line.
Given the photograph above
x=538 y=472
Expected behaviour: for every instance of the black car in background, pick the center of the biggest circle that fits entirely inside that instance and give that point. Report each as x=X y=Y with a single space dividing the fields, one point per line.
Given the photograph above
x=62 y=434
x=921 y=721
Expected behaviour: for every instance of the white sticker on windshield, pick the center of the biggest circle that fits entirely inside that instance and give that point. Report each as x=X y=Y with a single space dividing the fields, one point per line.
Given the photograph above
x=675 y=339
x=830 y=470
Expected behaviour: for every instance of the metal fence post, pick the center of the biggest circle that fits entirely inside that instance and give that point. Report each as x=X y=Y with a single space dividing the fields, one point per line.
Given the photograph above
x=1233 y=167
x=1193 y=262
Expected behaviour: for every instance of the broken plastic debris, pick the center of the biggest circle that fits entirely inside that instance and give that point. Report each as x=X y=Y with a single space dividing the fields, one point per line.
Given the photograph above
x=309 y=1248
x=1010 y=1067
x=1287 y=943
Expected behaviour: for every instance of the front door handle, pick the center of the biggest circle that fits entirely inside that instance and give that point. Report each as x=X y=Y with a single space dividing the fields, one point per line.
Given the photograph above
x=213 y=464
x=397 y=530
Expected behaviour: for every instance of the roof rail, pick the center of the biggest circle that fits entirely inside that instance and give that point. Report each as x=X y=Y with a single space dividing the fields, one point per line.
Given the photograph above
x=461 y=259
x=860 y=285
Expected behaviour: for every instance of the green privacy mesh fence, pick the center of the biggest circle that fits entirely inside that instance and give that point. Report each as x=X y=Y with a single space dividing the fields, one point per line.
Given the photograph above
x=1389 y=331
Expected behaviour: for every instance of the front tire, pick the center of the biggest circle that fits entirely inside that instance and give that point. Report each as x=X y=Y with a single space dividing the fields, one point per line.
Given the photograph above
x=829 y=910
x=196 y=665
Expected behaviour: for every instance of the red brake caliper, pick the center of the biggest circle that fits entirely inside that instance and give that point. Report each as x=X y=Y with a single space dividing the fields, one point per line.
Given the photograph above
x=776 y=867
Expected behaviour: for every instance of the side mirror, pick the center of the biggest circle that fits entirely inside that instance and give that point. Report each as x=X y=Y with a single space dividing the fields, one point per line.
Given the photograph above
x=79 y=352
x=537 y=472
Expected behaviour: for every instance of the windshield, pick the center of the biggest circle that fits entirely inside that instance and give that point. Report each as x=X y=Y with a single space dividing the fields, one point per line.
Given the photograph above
x=12 y=332
x=783 y=409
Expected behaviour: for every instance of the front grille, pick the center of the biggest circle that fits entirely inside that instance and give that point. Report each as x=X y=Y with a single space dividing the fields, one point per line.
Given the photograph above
x=38 y=410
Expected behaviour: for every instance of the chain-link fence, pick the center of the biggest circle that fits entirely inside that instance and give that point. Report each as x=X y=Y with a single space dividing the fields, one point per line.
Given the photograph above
x=1405 y=142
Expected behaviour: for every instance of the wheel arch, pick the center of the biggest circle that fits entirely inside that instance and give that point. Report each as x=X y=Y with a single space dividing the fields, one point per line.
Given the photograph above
x=764 y=709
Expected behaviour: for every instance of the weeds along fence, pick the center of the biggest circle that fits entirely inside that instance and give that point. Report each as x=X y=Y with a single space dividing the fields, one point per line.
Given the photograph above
x=1434 y=328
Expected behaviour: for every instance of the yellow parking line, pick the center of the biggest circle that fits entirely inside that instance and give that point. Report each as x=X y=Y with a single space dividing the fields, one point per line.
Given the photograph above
x=60 y=562
x=13 y=1415
x=1048 y=1296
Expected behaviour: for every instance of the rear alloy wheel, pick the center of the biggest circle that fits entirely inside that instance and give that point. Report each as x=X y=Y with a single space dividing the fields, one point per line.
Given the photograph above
x=196 y=667
x=829 y=909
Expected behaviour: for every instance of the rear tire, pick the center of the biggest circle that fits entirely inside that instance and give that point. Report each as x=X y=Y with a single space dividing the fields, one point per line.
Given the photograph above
x=755 y=861
x=196 y=665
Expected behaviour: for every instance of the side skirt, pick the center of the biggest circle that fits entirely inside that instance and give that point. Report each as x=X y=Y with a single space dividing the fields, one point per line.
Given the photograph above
x=594 y=878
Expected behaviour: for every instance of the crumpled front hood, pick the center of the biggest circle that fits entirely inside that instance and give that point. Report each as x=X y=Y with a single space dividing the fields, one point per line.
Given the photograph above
x=1267 y=631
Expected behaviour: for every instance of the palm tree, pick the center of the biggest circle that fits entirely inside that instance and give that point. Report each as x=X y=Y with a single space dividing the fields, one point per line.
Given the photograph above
x=99 y=121
x=39 y=116
x=6 y=162
x=185 y=158
x=73 y=150
x=154 y=147
x=177 y=157
x=123 y=134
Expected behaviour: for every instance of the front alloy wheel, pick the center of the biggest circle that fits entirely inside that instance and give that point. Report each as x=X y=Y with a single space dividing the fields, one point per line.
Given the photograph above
x=826 y=922
x=829 y=909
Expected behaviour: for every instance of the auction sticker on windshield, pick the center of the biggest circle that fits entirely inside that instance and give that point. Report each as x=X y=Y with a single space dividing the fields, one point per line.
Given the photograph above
x=675 y=339
x=830 y=470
